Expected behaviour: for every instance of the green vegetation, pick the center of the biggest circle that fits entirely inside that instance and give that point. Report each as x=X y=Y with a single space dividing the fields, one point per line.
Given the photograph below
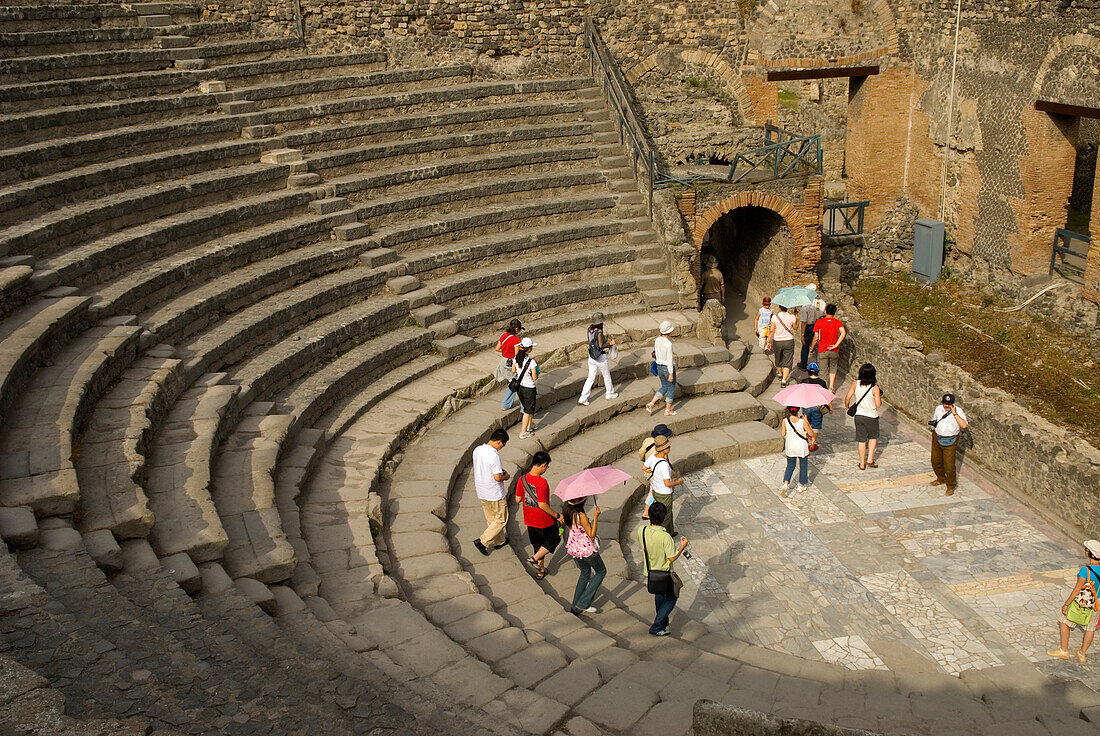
x=788 y=99
x=1013 y=351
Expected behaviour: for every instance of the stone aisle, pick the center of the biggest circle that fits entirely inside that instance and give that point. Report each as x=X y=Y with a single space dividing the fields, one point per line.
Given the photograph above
x=876 y=569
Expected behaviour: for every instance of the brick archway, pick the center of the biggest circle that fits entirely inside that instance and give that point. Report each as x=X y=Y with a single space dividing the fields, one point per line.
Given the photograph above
x=806 y=248
x=1079 y=40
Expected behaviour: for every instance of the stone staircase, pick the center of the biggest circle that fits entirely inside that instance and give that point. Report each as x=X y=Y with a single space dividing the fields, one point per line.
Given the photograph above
x=248 y=298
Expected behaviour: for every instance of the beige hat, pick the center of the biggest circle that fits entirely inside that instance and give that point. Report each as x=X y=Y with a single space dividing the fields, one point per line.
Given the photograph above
x=661 y=443
x=667 y=327
x=1093 y=546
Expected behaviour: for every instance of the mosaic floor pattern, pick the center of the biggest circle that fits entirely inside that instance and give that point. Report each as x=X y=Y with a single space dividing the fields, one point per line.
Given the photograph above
x=876 y=569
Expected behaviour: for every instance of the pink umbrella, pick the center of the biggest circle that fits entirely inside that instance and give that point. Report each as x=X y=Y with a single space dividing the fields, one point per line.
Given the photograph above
x=590 y=482
x=805 y=395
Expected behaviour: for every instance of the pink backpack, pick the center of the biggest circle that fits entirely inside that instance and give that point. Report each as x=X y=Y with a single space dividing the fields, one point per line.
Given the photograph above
x=579 y=544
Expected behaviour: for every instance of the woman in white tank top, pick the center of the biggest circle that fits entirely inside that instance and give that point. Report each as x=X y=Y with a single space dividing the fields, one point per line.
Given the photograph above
x=866 y=396
x=797 y=436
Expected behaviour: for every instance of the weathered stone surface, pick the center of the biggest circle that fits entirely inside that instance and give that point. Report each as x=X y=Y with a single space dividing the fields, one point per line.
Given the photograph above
x=18 y=527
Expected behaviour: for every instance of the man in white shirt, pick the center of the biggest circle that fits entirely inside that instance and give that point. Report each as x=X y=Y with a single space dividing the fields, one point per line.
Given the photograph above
x=489 y=482
x=948 y=421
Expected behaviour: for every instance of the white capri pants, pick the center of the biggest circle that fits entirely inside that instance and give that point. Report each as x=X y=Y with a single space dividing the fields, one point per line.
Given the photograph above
x=604 y=370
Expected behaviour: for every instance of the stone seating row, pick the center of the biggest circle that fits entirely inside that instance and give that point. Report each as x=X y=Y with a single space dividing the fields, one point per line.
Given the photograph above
x=47 y=16
x=139 y=645
x=57 y=66
x=37 y=43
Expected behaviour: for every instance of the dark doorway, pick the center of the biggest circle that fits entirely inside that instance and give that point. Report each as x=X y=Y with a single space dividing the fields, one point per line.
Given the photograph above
x=1079 y=211
x=753 y=247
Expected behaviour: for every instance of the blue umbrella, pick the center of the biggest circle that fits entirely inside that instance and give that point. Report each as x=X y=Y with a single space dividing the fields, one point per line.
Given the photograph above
x=794 y=296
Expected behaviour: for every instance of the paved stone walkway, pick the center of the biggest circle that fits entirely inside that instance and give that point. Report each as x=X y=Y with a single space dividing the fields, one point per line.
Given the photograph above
x=876 y=569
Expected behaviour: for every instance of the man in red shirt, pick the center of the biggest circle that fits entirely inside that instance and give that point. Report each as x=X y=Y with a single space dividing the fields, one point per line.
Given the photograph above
x=506 y=346
x=829 y=332
x=541 y=520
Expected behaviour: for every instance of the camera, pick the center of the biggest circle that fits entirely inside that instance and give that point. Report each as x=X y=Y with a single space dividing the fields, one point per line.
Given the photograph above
x=932 y=422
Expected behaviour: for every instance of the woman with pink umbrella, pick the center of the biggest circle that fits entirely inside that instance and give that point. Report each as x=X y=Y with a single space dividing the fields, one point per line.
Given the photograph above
x=581 y=542
x=798 y=435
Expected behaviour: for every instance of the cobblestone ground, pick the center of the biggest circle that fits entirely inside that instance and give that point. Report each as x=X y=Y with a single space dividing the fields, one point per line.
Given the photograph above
x=876 y=569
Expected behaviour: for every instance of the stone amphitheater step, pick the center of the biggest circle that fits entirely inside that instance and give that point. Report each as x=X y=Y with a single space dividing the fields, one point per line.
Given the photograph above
x=357 y=108
x=36 y=43
x=110 y=469
x=237 y=266
x=388 y=188
x=333 y=87
x=179 y=462
x=237 y=51
x=28 y=336
x=109 y=255
x=40 y=427
x=244 y=494
x=588 y=296
x=521 y=275
x=413 y=151
x=440 y=122
x=90 y=15
x=258 y=324
x=58 y=154
x=293 y=67
x=57 y=66
x=97 y=180
x=15 y=285
x=27 y=127
x=430 y=232
x=79 y=223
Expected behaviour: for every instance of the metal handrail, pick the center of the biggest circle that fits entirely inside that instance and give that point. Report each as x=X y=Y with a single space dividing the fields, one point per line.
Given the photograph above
x=781 y=134
x=804 y=150
x=643 y=157
x=844 y=208
x=1066 y=236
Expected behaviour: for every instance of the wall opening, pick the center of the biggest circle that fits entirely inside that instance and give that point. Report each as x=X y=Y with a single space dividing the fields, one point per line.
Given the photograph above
x=753 y=246
x=1079 y=210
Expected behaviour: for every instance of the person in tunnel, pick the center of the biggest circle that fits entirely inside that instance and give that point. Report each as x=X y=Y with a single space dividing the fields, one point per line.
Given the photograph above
x=714 y=284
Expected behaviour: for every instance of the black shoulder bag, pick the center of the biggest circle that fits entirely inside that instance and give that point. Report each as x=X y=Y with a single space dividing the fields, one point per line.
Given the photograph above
x=854 y=407
x=658 y=582
x=513 y=385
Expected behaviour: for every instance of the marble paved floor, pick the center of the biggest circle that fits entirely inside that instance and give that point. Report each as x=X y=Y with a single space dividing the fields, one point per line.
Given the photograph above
x=876 y=568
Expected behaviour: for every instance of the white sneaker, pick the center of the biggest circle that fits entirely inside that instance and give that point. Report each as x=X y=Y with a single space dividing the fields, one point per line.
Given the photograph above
x=582 y=402
x=783 y=489
x=612 y=396
x=801 y=488
x=524 y=435
x=590 y=609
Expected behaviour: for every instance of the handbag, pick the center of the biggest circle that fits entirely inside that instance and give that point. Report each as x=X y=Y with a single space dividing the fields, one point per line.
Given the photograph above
x=579 y=544
x=825 y=409
x=658 y=582
x=1083 y=607
x=1078 y=614
x=853 y=408
x=653 y=368
x=513 y=385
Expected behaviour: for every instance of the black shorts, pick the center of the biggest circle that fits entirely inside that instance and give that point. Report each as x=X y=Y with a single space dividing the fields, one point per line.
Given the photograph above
x=866 y=428
x=545 y=537
x=527 y=399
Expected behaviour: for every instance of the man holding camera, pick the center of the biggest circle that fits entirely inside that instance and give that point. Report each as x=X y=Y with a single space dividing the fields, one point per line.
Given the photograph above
x=948 y=422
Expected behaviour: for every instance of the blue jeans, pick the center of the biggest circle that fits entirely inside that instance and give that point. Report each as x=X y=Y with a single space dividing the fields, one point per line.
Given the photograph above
x=815 y=416
x=803 y=469
x=592 y=574
x=668 y=385
x=664 y=604
x=509 y=399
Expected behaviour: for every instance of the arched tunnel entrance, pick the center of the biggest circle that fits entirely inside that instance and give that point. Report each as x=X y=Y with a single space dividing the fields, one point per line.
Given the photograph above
x=753 y=246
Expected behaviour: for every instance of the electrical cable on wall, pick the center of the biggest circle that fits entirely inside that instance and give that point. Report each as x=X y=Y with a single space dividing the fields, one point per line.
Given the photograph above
x=950 y=114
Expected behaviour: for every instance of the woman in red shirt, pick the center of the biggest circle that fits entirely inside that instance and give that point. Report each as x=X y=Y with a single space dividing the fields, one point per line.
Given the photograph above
x=506 y=346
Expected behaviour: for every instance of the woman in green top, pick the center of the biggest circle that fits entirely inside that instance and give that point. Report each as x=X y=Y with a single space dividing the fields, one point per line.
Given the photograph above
x=660 y=553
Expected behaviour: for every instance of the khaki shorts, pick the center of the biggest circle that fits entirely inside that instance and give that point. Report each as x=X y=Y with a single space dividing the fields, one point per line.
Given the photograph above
x=827 y=362
x=1090 y=627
